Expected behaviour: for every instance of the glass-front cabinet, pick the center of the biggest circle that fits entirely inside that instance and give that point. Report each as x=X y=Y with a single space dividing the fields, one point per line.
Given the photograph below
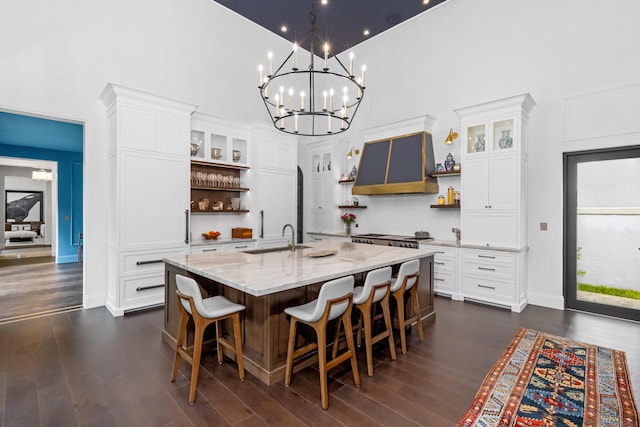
x=491 y=136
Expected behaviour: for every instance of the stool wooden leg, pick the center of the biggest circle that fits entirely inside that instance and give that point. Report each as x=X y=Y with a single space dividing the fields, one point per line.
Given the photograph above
x=336 y=341
x=218 y=343
x=416 y=308
x=237 y=337
x=346 y=320
x=182 y=332
x=387 y=322
x=321 y=332
x=399 y=296
x=290 y=351
x=365 y=317
x=197 y=352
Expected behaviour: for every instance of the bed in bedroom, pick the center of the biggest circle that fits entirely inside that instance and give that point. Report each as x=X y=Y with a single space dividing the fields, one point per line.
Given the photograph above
x=20 y=233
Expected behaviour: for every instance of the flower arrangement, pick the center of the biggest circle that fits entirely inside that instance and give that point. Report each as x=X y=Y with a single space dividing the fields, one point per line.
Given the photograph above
x=348 y=218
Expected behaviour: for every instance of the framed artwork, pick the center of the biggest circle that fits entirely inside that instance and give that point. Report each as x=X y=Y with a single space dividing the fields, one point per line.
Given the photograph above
x=24 y=206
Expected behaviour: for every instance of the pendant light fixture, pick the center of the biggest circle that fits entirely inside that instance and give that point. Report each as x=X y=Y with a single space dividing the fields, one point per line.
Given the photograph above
x=308 y=100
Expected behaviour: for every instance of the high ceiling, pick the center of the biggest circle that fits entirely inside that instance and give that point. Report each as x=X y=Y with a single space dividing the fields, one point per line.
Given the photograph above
x=341 y=23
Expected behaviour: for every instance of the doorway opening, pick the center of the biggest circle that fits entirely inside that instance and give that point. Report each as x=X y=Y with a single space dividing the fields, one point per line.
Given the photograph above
x=41 y=175
x=602 y=231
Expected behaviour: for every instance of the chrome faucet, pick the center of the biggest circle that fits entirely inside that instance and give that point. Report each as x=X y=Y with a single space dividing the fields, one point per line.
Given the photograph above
x=292 y=245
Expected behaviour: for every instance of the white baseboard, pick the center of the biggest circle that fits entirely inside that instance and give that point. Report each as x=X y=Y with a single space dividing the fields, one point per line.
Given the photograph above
x=546 y=300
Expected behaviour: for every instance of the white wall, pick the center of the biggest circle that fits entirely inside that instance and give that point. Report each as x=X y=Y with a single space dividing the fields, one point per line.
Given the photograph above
x=59 y=60
x=466 y=52
x=461 y=53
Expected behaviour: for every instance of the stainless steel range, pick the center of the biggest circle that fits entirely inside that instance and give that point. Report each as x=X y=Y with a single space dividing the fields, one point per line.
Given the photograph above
x=389 y=240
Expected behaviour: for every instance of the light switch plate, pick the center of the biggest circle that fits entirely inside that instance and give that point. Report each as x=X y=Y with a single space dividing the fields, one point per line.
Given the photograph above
x=543 y=226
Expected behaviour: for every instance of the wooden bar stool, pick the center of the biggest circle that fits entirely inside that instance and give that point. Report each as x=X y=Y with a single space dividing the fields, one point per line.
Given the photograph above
x=204 y=312
x=334 y=300
x=376 y=289
x=407 y=281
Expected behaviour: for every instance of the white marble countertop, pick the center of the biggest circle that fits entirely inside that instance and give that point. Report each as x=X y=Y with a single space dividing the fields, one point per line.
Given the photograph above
x=267 y=273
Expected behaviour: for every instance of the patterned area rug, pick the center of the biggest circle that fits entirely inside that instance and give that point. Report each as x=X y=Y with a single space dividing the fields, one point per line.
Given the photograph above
x=548 y=381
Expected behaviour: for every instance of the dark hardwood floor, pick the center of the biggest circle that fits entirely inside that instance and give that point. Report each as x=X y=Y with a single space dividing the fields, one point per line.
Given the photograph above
x=88 y=368
x=27 y=289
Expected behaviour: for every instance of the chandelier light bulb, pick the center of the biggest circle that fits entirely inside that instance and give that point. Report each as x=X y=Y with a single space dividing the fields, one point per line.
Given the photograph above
x=290 y=99
x=351 y=64
x=260 y=68
x=270 y=56
x=301 y=101
x=276 y=105
x=326 y=56
x=331 y=93
x=295 y=57
x=266 y=88
x=281 y=97
x=364 y=68
x=324 y=104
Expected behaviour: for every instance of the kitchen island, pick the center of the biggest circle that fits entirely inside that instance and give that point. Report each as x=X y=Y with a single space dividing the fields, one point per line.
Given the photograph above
x=268 y=281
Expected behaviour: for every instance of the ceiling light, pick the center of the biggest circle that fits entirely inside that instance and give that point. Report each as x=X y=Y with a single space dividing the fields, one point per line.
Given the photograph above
x=283 y=28
x=365 y=32
x=351 y=152
x=41 y=175
x=425 y=2
x=301 y=100
x=452 y=135
x=324 y=1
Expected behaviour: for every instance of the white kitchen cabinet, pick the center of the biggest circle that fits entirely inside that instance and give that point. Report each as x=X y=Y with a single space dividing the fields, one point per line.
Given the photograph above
x=148 y=194
x=494 y=277
x=494 y=201
x=494 y=173
x=223 y=247
x=445 y=270
x=275 y=189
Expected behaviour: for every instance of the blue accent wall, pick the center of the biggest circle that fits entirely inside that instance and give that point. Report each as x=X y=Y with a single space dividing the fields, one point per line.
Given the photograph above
x=69 y=194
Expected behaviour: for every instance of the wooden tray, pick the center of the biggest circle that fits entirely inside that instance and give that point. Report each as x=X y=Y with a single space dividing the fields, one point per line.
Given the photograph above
x=319 y=254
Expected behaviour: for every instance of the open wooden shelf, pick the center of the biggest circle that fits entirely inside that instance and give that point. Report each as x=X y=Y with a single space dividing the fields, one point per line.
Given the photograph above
x=446 y=173
x=193 y=187
x=352 y=207
x=445 y=206
x=218 y=212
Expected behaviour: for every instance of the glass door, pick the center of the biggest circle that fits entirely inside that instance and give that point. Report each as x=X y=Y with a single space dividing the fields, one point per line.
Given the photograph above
x=602 y=231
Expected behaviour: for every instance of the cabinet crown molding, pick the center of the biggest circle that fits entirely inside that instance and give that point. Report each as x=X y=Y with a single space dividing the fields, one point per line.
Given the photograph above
x=113 y=92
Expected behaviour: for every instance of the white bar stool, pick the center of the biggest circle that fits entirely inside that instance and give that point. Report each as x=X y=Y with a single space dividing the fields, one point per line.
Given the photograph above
x=376 y=289
x=407 y=281
x=204 y=312
x=334 y=300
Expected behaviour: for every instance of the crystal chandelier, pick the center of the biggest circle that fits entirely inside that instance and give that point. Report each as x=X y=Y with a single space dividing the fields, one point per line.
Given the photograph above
x=311 y=102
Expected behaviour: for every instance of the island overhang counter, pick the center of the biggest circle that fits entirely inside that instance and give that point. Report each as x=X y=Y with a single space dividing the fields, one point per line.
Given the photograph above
x=267 y=283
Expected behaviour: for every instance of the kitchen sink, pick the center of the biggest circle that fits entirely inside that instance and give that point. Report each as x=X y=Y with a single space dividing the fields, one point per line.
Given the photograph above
x=277 y=249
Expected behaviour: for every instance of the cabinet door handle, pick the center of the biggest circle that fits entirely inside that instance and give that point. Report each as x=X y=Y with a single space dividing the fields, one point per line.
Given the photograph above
x=241 y=247
x=440 y=252
x=186 y=228
x=150 y=261
x=486 y=256
x=210 y=250
x=146 y=288
x=261 y=224
x=486 y=269
x=493 y=288
x=438 y=279
x=439 y=263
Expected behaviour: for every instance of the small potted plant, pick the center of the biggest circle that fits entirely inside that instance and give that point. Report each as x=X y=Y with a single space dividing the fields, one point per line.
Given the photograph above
x=348 y=218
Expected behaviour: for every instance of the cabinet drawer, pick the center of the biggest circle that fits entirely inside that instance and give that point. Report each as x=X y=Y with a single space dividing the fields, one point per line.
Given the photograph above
x=486 y=289
x=207 y=249
x=143 y=291
x=443 y=264
x=444 y=282
x=489 y=270
x=147 y=261
x=240 y=246
x=492 y=257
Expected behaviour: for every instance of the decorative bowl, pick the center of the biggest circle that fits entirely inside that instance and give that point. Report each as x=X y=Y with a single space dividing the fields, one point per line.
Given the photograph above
x=210 y=236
